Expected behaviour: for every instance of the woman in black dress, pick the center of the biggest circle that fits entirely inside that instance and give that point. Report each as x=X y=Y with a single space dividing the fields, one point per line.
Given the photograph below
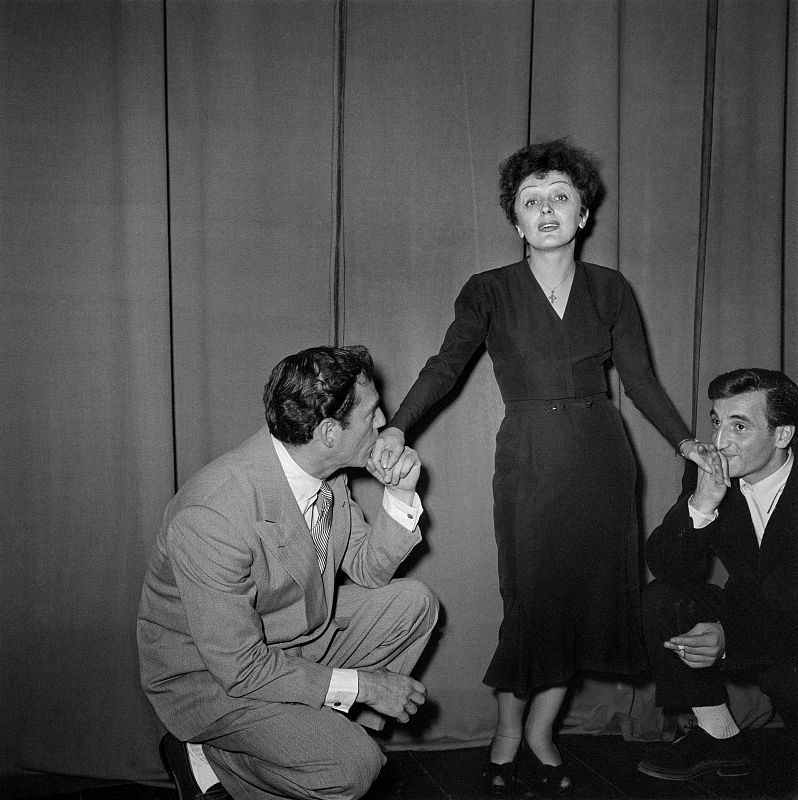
x=564 y=480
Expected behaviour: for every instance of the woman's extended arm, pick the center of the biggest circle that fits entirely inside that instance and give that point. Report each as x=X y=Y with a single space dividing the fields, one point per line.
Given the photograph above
x=466 y=333
x=630 y=355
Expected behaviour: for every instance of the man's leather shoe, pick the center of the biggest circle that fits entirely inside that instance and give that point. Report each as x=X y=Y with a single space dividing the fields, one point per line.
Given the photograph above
x=697 y=753
x=174 y=755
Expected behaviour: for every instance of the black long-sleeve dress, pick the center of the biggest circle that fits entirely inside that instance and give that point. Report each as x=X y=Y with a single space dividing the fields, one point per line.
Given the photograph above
x=563 y=487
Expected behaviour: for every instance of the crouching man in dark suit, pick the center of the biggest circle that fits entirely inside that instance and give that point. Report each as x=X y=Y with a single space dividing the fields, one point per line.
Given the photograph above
x=251 y=652
x=746 y=513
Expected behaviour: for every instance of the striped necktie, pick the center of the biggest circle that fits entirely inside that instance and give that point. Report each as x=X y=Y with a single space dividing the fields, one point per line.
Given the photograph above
x=321 y=527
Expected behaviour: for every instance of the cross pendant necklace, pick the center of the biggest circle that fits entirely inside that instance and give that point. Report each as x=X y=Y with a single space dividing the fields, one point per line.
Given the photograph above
x=551 y=297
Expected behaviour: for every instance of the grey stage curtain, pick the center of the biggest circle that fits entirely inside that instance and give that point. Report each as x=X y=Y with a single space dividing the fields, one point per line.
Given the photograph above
x=191 y=190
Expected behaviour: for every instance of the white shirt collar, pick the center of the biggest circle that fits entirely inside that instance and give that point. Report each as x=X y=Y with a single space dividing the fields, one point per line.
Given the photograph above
x=304 y=486
x=768 y=488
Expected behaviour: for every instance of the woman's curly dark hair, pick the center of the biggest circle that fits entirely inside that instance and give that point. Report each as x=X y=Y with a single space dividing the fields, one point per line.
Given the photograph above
x=312 y=385
x=542 y=157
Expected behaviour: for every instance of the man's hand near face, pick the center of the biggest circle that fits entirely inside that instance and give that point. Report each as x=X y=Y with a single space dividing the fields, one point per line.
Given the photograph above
x=711 y=487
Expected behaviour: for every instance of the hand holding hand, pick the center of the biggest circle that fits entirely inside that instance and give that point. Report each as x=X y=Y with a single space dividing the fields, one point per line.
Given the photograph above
x=697 y=452
x=386 y=452
x=401 y=478
x=711 y=487
x=390 y=693
x=701 y=646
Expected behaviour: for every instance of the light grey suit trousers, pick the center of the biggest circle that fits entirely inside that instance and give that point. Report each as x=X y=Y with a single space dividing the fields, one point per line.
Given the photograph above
x=289 y=750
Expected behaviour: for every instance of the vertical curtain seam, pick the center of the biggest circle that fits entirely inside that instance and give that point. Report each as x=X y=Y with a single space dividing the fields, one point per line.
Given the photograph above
x=529 y=73
x=529 y=92
x=784 y=198
x=338 y=257
x=710 y=47
x=618 y=127
x=169 y=273
x=468 y=134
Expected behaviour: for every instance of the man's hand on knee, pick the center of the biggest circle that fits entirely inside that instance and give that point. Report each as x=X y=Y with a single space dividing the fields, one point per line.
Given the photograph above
x=390 y=693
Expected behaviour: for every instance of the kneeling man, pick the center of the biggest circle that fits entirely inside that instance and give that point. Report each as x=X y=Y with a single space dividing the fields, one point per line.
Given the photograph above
x=251 y=650
x=746 y=513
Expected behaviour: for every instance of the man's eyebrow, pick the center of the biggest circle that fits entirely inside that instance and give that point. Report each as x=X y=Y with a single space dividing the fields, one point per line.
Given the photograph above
x=741 y=417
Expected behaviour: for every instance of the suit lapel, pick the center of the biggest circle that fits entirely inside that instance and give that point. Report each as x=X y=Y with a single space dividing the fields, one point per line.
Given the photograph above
x=743 y=528
x=284 y=531
x=782 y=525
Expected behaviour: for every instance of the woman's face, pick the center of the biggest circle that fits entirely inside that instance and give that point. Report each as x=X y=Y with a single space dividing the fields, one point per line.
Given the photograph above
x=548 y=211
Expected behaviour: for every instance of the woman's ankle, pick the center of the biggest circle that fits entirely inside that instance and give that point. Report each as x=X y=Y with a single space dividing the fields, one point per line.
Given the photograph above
x=504 y=747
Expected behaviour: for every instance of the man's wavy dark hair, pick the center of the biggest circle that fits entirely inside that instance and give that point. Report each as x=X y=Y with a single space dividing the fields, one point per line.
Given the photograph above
x=539 y=158
x=312 y=385
x=781 y=394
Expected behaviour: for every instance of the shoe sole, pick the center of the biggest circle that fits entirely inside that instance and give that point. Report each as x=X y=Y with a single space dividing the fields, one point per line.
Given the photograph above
x=726 y=769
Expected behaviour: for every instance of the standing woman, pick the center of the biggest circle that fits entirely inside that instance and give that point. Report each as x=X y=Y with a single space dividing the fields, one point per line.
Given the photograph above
x=564 y=480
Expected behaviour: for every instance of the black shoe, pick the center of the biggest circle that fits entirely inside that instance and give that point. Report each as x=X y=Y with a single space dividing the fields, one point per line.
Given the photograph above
x=175 y=758
x=697 y=753
x=549 y=780
x=499 y=779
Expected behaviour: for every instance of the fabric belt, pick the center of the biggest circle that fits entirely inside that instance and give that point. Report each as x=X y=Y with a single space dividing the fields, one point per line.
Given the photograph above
x=554 y=405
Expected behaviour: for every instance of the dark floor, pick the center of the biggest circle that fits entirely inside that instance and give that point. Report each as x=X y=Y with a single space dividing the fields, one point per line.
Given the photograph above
x=602 y=767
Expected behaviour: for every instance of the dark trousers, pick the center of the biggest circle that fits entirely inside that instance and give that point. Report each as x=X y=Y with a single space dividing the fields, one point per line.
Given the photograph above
x=670 y=610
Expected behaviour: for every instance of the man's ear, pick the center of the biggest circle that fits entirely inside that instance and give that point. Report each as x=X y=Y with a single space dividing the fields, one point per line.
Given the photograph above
x=327 y=432
x=784 y=434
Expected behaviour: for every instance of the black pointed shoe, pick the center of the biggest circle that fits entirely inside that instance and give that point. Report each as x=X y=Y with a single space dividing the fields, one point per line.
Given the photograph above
x=499 y=779
x=174 y=755
x=697 y=753
x=549 y=780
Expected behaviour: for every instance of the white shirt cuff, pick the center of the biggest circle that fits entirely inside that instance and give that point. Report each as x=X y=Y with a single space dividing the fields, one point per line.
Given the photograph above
x=407 y=516
x=343 y=689
x=700 y=519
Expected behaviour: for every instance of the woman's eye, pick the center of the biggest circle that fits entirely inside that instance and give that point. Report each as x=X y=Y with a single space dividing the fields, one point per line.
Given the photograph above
x=530 y=202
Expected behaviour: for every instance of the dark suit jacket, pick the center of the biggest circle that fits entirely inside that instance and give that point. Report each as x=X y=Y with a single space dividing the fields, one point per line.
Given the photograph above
x=761 y=594
x=234 y=585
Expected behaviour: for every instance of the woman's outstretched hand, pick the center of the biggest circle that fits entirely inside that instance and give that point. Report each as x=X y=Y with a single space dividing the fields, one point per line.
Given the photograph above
x=699 y=453
x=386 y=451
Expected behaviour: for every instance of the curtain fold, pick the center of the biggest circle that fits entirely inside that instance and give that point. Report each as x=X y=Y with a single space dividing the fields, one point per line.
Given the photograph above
x=86 y=403
x=251 y=102
x=331 y=173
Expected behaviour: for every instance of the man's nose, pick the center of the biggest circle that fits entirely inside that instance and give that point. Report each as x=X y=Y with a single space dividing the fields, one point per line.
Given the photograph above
x=719 y=439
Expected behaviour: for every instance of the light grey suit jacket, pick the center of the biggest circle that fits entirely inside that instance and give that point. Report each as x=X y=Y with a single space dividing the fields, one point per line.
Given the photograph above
x=234 y=584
